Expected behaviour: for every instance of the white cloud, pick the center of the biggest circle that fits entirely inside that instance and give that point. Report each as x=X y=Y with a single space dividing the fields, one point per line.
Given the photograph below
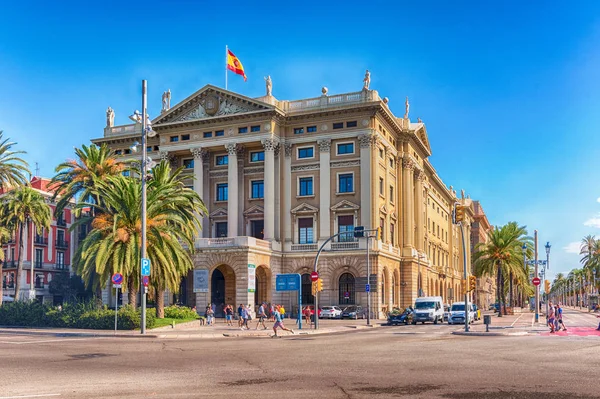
x=598 y=200
x=593 y=222
x=573 y=247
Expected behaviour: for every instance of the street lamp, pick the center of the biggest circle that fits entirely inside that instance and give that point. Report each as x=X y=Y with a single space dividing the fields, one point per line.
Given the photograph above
x=524 y=249
x=547 y=266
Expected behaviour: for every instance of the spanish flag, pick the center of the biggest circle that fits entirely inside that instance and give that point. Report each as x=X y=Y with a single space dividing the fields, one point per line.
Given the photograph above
x=234 y=64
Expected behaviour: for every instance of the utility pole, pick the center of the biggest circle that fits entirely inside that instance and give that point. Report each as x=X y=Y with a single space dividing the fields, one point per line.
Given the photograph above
x=143 y=226
x=537 y=287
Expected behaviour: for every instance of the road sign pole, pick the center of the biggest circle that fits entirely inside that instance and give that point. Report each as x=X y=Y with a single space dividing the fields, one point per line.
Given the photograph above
x=315 y=268
x=369 y=284
x=116 y=306
x=467 y=305
x=537 y=287
x=299 y=302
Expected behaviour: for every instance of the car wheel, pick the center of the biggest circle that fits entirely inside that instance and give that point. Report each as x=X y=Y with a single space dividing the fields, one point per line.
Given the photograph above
x=435 y=321
x=422 y=322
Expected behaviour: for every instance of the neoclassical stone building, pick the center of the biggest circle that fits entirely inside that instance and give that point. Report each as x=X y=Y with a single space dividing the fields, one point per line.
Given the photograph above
x=280 y=177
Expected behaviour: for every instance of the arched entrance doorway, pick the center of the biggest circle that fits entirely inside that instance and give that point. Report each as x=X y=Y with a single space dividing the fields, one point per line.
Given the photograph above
x=263 y=282
x=347 y=293
x=307 y=296
x=222 y=289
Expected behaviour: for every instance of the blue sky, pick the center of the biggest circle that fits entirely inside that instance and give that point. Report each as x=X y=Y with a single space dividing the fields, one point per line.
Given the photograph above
x=509 y=90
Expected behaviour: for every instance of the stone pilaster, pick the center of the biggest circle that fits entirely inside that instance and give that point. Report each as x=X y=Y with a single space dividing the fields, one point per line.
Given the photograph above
x=287 y=193
x=269 y=145
x=199 y=177
x=367 y=141
x=419 y=231
x=232 y=188
x=324 y=190
x=408 y=205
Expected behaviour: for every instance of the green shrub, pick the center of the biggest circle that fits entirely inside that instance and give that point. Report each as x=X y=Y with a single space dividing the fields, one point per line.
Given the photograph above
x=22 y=314
x=180 y=312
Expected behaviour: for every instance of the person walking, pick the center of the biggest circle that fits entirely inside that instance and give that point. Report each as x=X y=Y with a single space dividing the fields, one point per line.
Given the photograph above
x=271 y=312
x=282 y=311
x=550 y=316
x=559 y=317
x=240 y=310
x=210 y=314
x=244 y=318
x=279 y=323
x=307 y=318
x=261 y=316
x=229 y=315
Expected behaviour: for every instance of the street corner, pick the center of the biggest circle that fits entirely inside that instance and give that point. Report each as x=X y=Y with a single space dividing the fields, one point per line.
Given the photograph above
x=572 y=332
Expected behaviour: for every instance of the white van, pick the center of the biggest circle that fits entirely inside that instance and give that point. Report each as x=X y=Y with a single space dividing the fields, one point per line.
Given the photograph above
x=429 y=308
x=457 y=313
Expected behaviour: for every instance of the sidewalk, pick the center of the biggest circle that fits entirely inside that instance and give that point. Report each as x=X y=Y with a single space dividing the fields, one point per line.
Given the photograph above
x=518 y=324
x=193 y=330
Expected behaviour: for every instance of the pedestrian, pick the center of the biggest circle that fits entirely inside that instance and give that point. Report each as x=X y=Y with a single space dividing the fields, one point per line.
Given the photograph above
x=598 y=329
x=282 y=311
x=261 y=316
x=279 y=323
x=271 y=312
x=244 y=318
x=250 y=316
x=550 y=316
x=229 y=315
x=307 y=318
x=240 y=310
x=210 y=315
x=559 y=317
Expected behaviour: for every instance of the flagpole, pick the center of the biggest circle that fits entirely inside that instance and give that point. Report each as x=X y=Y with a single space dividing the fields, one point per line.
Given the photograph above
x=225 y=67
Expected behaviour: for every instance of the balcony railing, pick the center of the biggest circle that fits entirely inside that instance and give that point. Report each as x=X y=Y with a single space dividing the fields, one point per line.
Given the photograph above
x=9 y=286
x=62 y=244
x=241 y=241
x=60 y=266
x=61 y=222
x=341 y=246
x=9 y=264
x=39 y=285
x=305 y=247
x=40 y=240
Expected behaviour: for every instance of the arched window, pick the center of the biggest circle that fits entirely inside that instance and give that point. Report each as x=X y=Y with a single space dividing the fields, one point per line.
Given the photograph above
x=346 y=289
x=307 y=296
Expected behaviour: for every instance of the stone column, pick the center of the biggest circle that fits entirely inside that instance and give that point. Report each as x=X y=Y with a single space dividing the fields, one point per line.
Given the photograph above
x=408 y=205
x=324 y=190
x=199 y=178
x=366 y=146
x=269 y=145
x=419 y=233
x=287 y=194
x=205 y=191
x=232 y=190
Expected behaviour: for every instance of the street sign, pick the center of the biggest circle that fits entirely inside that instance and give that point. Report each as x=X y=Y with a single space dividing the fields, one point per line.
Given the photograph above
x=287 y=282
x=314 y=276
x=536 y=281
x=116 y=285
x=367 y=288
x=346 y=295
x=117 y=278
x=145 y=267
x=145 y=280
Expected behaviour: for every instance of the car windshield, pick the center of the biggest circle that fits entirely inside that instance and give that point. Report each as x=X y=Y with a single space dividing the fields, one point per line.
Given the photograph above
x=458 y=308
x=425 y=305
x=326 y=308
x=350 y=309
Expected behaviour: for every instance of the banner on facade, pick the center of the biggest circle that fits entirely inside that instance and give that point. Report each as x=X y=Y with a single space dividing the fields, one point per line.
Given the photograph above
x=201 y=280
x=251 y=278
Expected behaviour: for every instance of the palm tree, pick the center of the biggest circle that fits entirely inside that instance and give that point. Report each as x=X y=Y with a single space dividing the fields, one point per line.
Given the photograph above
x=558 y=286
x=114 y=243
x=74 y=180
x=502 y=255
x=13 y=169
x=23 y=206
x=4 y=236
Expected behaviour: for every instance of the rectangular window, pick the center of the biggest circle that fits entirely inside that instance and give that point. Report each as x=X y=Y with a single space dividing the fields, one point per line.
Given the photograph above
x=392 y=194
x=255 y=128
x=207 y=134
x=305 y=230
x=346 y=227
x=155 y=148
x=382 y=226
x=339 y=125
x=392 y=233
x=351 y=124
x=381 y=153
x=298 y=130
x=174 y=139
x=346 y=183
x=222 y=160
x=127 y=151
x=311 y=129
x=381 y=186
x=60 y=259
x=222 y=192
x=39 y=257
x=221 y=229
x=125 y=173
x=305 y=186
x=118 y=152
x=188 y=163
x=306 y=152
x=149 y=148
x=242 y=130
x=258 y=189
x=391 y=163
x=185 y=137
x=345 y=148
x=220 y=133
x=258 y=156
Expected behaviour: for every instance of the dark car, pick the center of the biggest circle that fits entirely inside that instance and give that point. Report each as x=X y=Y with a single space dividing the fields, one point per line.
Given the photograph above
x=400 y=318
x=353 y=312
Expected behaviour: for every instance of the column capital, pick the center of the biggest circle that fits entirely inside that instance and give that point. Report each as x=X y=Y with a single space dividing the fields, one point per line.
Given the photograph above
x=408 y=163
x=419 y=174
x=199 y=152
x=164 y=155
x=324 y=145
x=270 y=144
x=288 y=150
x=368 y=140
x=232 y=148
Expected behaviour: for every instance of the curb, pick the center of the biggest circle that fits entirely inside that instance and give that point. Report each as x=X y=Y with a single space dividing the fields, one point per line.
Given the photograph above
x=490 y=334
x=76 y=334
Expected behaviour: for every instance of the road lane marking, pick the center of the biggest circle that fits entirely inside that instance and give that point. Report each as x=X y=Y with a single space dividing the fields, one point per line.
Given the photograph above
x=44 y=395
x=517 y=319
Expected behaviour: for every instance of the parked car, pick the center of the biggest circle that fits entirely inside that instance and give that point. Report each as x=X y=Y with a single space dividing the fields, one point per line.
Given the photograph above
x=312 y=310
x=404 y=317
x=446 y=311
x=428 y=308
x=353 y=312
x=330 y=312
x=457 y=313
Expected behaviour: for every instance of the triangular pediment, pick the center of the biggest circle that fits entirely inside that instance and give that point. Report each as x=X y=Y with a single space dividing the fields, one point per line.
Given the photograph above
x=210 y=102
x=383 y=209
x=345 y=205
x=219 y=212
x=304 y=208
x=421 y=133
x=254 y=210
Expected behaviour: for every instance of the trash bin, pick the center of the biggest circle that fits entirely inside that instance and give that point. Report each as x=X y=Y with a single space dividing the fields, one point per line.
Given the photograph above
x=487 y=320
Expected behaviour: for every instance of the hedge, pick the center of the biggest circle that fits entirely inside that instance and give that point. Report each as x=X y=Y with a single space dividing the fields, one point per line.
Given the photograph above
x=81 y=315
x=180 y=312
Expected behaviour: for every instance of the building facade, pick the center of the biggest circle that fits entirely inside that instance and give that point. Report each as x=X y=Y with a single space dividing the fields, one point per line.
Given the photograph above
x=485 y=294
x=50 y=252
x=280 y=177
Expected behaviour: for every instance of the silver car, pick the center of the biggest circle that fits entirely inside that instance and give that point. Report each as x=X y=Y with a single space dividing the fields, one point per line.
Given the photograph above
x=330 y=312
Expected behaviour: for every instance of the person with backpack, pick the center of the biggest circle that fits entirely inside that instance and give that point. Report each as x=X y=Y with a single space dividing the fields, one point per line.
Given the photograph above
x=240 y=310
x=261 y=316
x=559 y=318
x=550 y=316
x=244 y=318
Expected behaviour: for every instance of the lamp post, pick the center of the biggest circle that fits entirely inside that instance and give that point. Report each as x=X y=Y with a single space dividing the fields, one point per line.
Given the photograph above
x=547 y=266
x=524 y=249
x=419 y=279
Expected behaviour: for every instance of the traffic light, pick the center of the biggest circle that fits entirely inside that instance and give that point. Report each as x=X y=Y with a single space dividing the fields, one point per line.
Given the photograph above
x=359 y=231
x=463 y=286
x=378 y=233
x=320 y=285
x=314 y=288
x=472 y=283
x=547 y=286
x=459 y=213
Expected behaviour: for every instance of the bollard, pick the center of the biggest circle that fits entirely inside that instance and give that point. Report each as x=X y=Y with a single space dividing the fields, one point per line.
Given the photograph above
x=487 y=320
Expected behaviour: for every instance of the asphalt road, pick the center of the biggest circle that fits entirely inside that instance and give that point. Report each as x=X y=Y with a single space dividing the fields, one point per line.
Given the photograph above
x=422 y=361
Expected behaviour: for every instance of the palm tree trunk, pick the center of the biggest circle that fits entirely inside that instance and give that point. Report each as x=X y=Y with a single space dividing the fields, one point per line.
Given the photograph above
x=503 y=294
x=498 y=288
x=160 y=304
x=512 y=303
x=19 y=263
x=131 y=292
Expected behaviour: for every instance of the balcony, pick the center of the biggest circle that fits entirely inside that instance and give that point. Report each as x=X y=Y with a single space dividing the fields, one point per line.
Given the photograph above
x=39 y=284
x=62 y=244
x=344 y=246
x=60 y=266
x=305 y=247
x=61 y=222
x=40 y=241
x=8 y=286
x=235 y=242
x=9 y=264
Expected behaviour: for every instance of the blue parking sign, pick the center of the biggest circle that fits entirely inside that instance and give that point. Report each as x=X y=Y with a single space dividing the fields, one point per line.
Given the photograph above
x=367 y=288
x=145 y=267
